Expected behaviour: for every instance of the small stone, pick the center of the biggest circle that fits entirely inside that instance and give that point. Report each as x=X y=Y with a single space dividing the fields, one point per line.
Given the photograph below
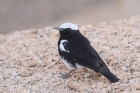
x=124 y=68
x=137 y=88
x=87 y=75
x=31 y=63
x=26 y=73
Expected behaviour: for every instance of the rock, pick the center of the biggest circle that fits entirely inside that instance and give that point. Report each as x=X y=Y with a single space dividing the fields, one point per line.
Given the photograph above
x=29 y=60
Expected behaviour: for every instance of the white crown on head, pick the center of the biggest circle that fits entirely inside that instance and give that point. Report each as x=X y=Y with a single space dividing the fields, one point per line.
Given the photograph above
x=69 y=25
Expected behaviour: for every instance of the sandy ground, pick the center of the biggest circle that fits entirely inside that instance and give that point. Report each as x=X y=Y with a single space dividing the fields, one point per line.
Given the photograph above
x=29 y=60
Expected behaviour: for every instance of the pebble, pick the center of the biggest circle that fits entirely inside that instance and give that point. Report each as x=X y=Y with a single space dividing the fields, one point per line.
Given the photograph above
x=87 y=75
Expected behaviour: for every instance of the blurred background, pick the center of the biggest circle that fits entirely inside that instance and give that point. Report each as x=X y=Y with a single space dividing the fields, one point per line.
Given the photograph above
x=28 y=14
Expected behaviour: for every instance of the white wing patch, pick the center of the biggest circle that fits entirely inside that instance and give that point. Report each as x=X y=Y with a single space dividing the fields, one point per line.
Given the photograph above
x=62 y=44
x=69 y=25
x=68 y=64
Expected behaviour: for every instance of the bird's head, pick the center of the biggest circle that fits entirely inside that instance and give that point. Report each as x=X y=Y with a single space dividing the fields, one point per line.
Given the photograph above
x=67 y=29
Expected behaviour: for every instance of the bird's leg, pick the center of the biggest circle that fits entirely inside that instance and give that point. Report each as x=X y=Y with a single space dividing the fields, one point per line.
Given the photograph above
x=64 y=76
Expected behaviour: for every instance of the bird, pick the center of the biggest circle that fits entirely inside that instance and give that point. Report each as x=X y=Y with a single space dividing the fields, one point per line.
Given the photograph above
x=76 y=52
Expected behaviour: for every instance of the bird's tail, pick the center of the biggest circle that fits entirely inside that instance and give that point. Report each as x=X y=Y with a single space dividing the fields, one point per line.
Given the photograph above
x=111 y=77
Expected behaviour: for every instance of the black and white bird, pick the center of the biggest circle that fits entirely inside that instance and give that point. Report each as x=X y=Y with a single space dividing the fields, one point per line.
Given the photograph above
x=76 y=51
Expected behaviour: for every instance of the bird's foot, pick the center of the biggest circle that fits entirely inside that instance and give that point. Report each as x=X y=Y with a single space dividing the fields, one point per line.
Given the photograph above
x=64 y=76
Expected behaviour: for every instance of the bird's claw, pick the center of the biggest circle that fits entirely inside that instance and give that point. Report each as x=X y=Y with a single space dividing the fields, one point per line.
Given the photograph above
x=64 y=76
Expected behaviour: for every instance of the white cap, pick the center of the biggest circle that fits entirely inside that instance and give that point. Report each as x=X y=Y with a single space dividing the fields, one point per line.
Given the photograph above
x=69 y=25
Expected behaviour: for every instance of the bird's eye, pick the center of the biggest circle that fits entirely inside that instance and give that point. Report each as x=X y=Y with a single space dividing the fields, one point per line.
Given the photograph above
x=62 y=29
x=68 y=29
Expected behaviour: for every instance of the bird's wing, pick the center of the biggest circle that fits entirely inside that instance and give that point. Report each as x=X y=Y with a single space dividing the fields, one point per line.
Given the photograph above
x=85 y=55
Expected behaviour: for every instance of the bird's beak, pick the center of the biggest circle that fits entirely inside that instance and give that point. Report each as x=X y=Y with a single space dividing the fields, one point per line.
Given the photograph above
x=57 y=28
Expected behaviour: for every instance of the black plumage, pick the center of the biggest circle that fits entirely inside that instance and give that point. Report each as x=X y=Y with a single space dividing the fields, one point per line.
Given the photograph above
x=75 y=48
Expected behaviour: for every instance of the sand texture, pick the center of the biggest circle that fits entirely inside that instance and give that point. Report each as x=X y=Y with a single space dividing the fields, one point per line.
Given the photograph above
x=29 y=60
